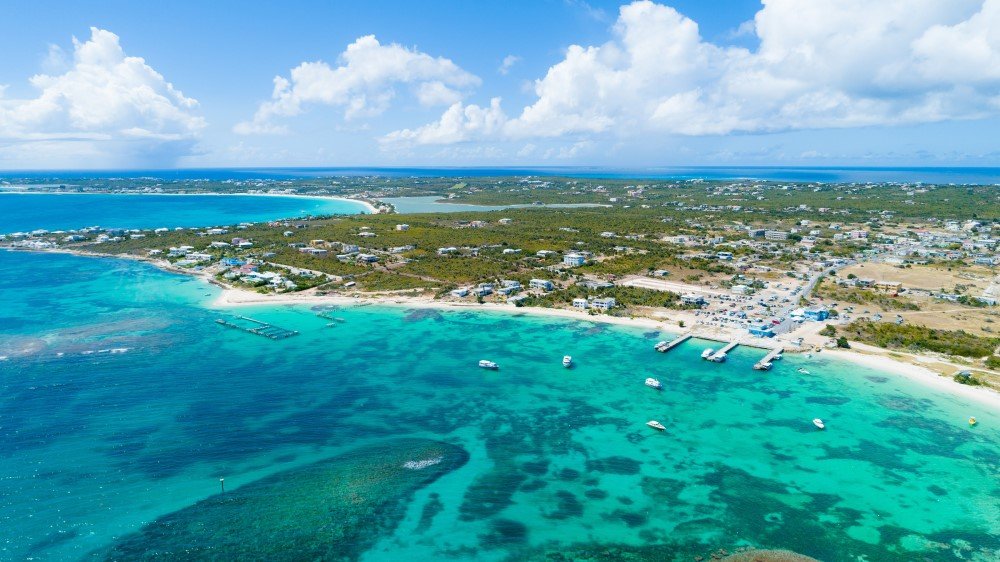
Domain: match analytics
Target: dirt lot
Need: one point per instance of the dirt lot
(929, 277)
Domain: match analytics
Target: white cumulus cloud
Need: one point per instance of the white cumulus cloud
(819, 64)
(106, 107)
(362, 84)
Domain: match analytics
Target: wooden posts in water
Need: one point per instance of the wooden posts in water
(258, 328)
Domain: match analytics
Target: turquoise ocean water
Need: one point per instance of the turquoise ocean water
(29, 211)
(122, 401)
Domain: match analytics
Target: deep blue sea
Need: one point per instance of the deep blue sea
(29, 211)
(941, 175)
(123, 402)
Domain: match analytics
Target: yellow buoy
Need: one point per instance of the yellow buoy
(972, 421)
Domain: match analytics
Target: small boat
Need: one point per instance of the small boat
(653, 383)
(567, 361)
(819, 423)
(972, 421)
(661, 346)
(802, 371)
(656, 425)
(707, 353)
(488, 365)
(719, 357)
(762, 366)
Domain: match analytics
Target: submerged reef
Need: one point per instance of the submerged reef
(333, 509)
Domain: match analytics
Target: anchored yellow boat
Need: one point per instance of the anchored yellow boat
(972, 421)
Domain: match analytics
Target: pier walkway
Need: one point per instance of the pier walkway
(765, 363)
(664, 347)
(257, 328)
(729, 346)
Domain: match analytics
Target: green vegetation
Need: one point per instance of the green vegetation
(966, 377)
(829, 330)
(920, 338)
(993, 362)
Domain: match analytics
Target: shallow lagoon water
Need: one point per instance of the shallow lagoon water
(435, 204)
(96, 444)
(59, 211)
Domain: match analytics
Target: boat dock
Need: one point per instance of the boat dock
(765, 363)
(729, 347)
(664, 347)
(720, 355)
(257, 328)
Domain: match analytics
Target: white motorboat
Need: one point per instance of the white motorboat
(802, 371)
(488, 365)
(653, 383)
(719, 357)
(656, 425)
(762, 366)
(819, 423)
(661, 346)
(567, 361)
(708, 353)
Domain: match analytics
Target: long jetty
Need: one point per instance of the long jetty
(772, 354)
(729, 347)
(664, 347)
(258, 328)
(765, 363)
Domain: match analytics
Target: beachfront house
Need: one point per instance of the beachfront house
(606, 303)
(581, 303)
(460, 292)
(574, 259)
(543, 284)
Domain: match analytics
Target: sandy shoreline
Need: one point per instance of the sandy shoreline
(371, 208)
(876, 358)
(234, 297)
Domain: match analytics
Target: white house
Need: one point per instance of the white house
(581, 303)
(606, 303)
(574, 259)
(543, 284)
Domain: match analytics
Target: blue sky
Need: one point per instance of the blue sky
(729, 82)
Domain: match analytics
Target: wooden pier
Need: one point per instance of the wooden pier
(729, 346)
(720, 355)
(765, 363)
(257, 328)
(664, 347)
